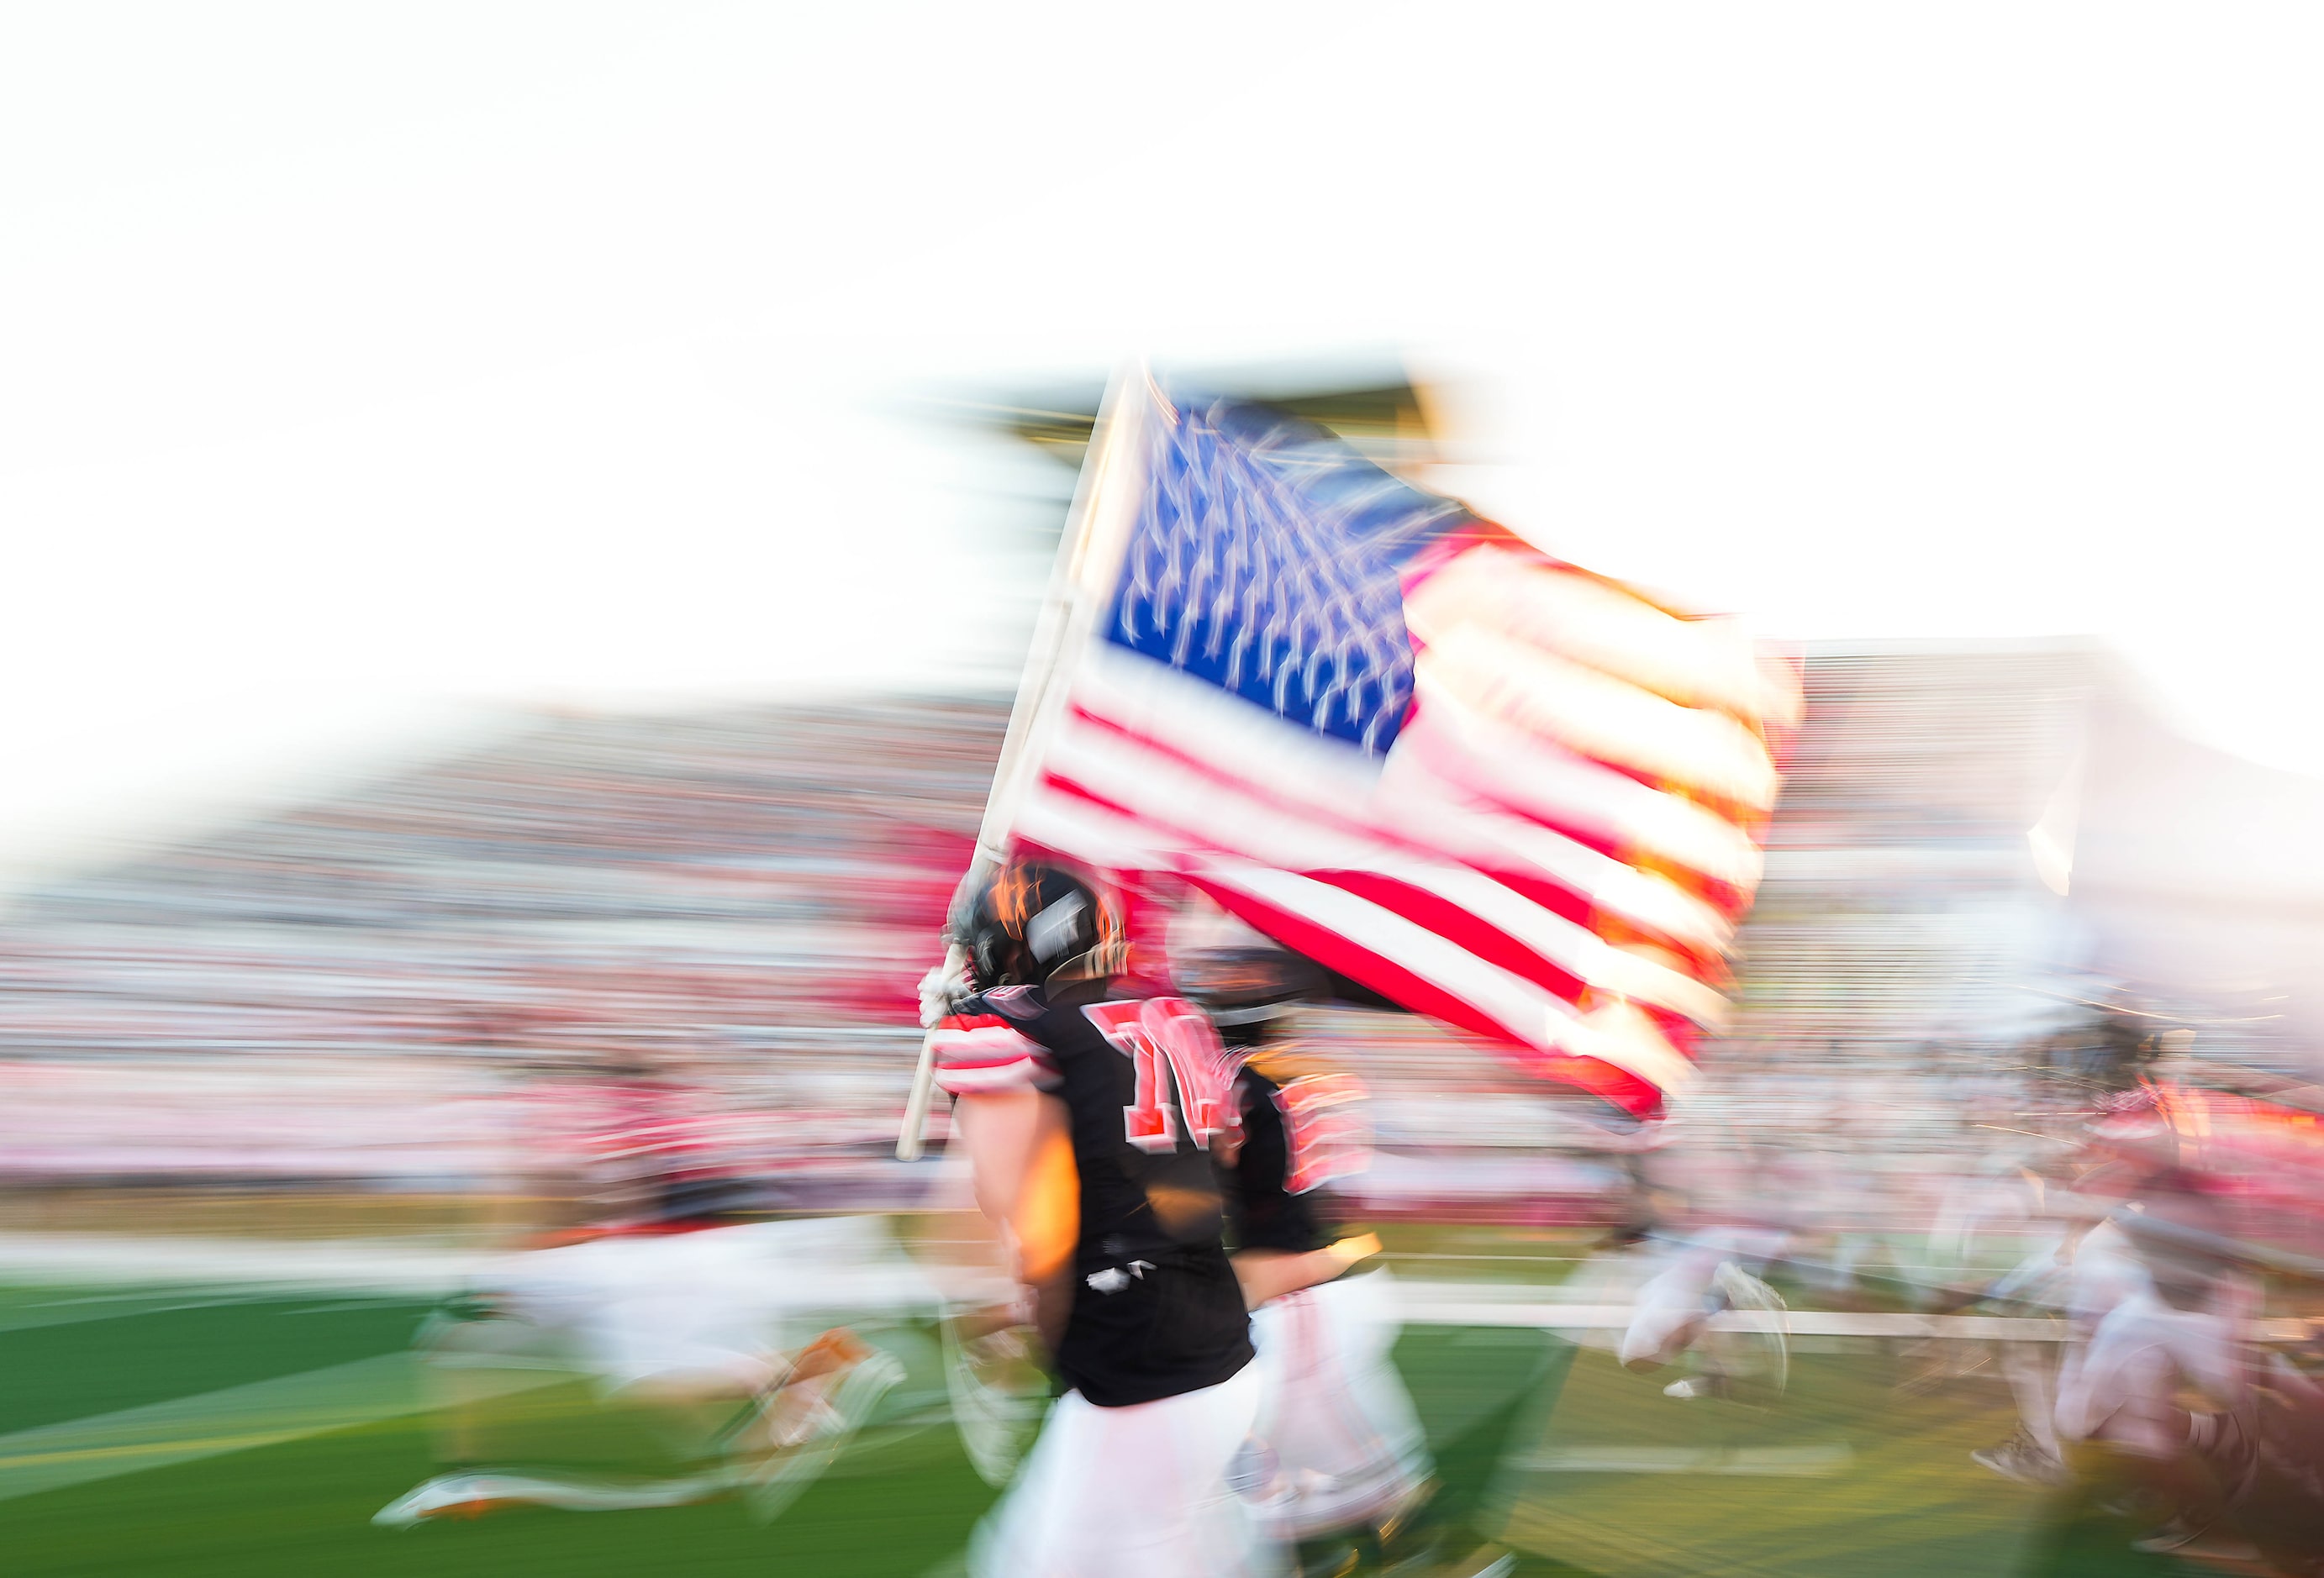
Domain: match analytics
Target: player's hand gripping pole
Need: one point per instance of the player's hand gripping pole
(911, 1140)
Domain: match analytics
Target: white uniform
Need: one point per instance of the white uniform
(716, 1305)
(1338, 1444)
(710, 1313)
(1672, 1304)
(2082, 1280)
(1139, 1492)
(2125, 1388)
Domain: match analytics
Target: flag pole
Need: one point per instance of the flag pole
(1089, 554)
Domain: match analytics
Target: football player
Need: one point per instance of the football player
(1339, 1447)
(1086, 1110)
(2087, 1267)
(2160, 1397)
(682, 1316)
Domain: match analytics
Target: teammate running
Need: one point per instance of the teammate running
(1339, 1447)
(1086, 1111)
(2085, 1267)
(707, 1327)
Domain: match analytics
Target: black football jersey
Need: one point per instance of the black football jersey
(1156, 1311)
(1303, 1126)
(1262, 1212)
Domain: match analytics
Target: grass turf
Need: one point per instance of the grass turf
(1510, 1414)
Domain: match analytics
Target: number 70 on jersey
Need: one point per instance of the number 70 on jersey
(1170, 1033)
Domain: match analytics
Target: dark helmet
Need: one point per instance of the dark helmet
(1245, 986)
(1030, 922)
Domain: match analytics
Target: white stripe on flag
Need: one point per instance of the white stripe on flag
(1088, 832)
(1457, 823)
(1533, 775)
(1531, 1015)
(1241, 743)
(1450, 740)
(1200, 719)
(1168, 798)
(1601, 716)
(1696, 663)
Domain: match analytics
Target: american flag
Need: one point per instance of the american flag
(1495, 789)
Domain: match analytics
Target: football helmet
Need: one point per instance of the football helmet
(1031, 922)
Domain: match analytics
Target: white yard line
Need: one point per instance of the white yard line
(1813, 1462)
(21, 1318)
(360, 1266)
(124, 1260)
(1502, 1304)
(103, 1260)
(264, 1413)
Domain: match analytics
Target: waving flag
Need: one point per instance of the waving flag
(1495, 789)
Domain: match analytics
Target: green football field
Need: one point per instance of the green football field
(195, 1434)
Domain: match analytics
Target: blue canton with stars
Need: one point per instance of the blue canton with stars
(1265, 560)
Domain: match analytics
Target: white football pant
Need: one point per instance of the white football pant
(1132, 1492)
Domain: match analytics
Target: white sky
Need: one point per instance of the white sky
(358, 359)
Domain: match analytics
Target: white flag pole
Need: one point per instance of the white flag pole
(1089, 557)
(911, 1140)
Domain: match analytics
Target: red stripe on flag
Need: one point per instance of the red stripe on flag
(1455, 924)
(1335, 952)
(1058, 783)
(1446, 761)
(1551, 895)
(1430, 910)
(1104, 738)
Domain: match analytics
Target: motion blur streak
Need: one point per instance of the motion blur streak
(1986, 1242)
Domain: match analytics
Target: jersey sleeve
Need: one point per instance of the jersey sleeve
(1326, 1134)
(979, 1052)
